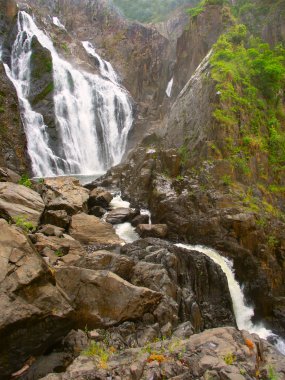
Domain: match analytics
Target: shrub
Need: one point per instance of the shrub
(25, 181)
(24, 224)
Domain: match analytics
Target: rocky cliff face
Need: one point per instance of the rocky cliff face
(12, 136)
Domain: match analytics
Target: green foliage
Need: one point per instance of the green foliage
(230, 358)
(250, 79)
(99, 352)
(184, 152)
(25, 181)
(272, 374)
(24, 224)
(150, 11)
(58, 253)
(195, 11)
(45, 92)
(227, 180)
(272, 241)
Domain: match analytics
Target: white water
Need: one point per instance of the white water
(243, 313)
(105, 67)
(56, 22)
(124, 230)
(93, 115)
(169, 88)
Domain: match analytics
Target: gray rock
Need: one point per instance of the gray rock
(121, 215)
(97, 211)
(50, 230)
(105, 260)
(59, 218)
(140, 219)
(99, 197)
(102, 298)
(152, 230)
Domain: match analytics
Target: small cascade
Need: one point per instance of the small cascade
(243, 313)
(57, 23)
(169, 88)
(146, 212)
(124, 230)
(105, 67)
(93, 115)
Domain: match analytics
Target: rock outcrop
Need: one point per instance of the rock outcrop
(89, 229)
(101, 298)
(222, 353)
(31, 305)
(17, 201)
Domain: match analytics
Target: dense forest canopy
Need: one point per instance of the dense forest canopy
(150, 10)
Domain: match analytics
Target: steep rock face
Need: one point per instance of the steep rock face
(189, 122)
(194, 288)
(13, 152)
(41, 84)
(31, 305)
(196, 41)
(200, 208)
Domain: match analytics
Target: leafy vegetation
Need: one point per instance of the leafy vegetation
(25, 181)
(150, 11)
(250, 79)
(194, 12)
(24, 224)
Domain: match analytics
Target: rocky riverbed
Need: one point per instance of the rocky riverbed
(79, 303)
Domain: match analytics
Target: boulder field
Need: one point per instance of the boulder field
(78, 303)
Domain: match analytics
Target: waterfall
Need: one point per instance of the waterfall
(93, 114)
(57, 23)
(243, 313)
(169, 88)
(105, 67)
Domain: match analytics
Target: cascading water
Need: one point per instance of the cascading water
(93, 114)
(105, 67)
(169, 88)
(243, 313)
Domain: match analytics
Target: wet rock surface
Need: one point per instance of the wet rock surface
(199, 208)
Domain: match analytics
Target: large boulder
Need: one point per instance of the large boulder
(7, 175)
(105, 260)
(65, 193)
(101, 298)
(91, 230)
(194, 288)
(121, 215)
(152, 230)
(99, 197)
(17, 201)
(31, 305)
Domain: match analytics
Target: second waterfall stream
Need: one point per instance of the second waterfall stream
(93, 113)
